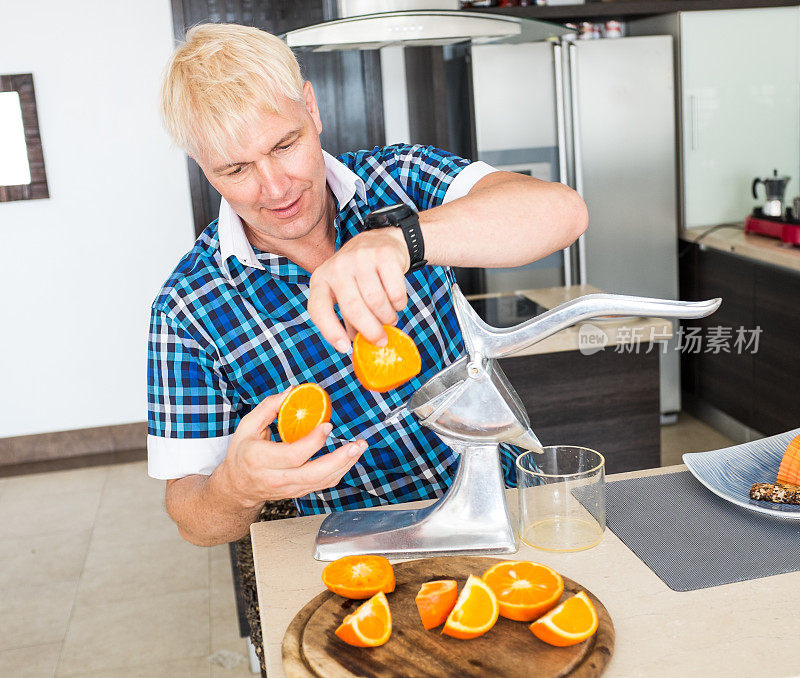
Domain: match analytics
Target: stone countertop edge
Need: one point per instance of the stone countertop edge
(749, 245)
(729, 630)
(623, 332)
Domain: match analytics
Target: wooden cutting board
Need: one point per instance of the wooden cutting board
(310, 648)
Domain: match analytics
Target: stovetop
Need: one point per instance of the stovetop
(788, 218)
(506, 311)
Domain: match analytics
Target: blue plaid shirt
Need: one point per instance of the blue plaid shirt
(230, 327)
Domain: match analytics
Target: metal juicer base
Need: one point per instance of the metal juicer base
(470, 519)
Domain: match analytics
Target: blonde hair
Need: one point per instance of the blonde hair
(219, 79)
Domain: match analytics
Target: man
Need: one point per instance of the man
(273, 292)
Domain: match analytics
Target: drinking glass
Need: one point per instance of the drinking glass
(562, 498)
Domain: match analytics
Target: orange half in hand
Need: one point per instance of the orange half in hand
(370, 625)
(306, 407)
(384, 368)
(476, 611)
(359, 577)
(435, 600)
(524, 590)
(570, 623)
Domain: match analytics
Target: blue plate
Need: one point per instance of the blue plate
(730, 472)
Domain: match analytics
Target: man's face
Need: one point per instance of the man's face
(275, 180)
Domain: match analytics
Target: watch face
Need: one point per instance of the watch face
(387, 216)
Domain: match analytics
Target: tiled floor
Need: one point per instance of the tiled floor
(95, 580)
(689, 435)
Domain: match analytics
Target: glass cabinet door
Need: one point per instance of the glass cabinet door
(740, 108)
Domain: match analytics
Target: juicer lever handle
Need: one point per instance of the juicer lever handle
(485, 341)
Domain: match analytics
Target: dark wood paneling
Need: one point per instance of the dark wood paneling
(759, 388)
(427, 95)
(349, 94)
(689, 290)
(37, 189)
(347, 84)
(608, 401)
(440, 110)
(722, 375)
(777, 362)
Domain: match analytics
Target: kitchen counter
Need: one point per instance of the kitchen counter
(619, 332)
(741, 629)
(750, 245)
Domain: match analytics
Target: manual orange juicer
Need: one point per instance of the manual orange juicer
(472, 407)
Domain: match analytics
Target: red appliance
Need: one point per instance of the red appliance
(786, 228)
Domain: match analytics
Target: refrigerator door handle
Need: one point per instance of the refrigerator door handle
(693, 113)
(576, 150)
(561, 135)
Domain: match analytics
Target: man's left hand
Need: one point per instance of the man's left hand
(366, 278)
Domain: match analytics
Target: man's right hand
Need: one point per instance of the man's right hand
(257, 468)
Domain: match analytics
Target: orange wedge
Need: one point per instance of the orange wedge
(524, 590)
(306, 407)
(435, 600)
(789, 470)
(359, 577)
(370, 625)
(476, 611)
(382, 369)
(570, 623)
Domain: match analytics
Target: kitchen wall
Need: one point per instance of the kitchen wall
(79, 271)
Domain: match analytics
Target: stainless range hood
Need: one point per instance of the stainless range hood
(416, 28)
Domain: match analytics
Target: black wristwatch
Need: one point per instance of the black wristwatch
(407, 220)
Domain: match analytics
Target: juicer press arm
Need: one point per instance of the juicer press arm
(483, 341)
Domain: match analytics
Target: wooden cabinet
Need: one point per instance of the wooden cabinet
(607, 401)
(732, 279)
(776, 400)
(757, 385)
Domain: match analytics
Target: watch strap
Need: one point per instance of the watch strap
(414, 241)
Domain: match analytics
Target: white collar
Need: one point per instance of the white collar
(232, 239)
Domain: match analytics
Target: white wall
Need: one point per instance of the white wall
(78, 271)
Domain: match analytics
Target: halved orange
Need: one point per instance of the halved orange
(435, 600)
(524, 590)
(570, 623)
(306, 407)
(359, 577)
(476, 611)
(789, 470)
(382, 369)
(370, 625)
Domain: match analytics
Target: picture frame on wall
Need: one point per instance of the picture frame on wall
(22, 172)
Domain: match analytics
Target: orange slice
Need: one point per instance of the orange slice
(570, 623)
(306, 407)
(382, 369)
(524, 590)
(370, 625)
(789, 471)
(476, 611)
(359, 577)
(435, 600)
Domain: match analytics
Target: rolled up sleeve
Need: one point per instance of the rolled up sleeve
(192, 412)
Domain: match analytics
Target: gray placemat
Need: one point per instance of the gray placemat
(692, 539)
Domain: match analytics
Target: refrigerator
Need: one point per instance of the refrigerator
(598, 115)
